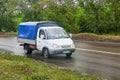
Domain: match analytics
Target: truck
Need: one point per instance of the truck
(46, 36)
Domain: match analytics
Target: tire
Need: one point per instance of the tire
(68, 55)
(27, 50)
(45, 53)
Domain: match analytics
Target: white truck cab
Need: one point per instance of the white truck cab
(47, 37)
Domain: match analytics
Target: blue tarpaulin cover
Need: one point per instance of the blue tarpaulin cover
(28, 30)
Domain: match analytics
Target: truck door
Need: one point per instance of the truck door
(41, 39)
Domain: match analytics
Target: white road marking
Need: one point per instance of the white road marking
(89, 50)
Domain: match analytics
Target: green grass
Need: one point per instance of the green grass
(95, 37)
(7, 34)
(20, 68)
(11, 33)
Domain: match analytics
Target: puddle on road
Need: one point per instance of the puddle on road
(59, 59)
(81, 61)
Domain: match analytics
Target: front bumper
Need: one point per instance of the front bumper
(61, 51)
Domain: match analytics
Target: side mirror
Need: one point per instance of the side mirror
(70, 35)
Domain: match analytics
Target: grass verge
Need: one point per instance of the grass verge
(95, 37)
(80, 36)
(7, 34)
(20, 68)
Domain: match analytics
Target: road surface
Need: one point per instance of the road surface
(94, 58)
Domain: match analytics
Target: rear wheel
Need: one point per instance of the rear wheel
(68, 55)
(46, 53)
(27, 50)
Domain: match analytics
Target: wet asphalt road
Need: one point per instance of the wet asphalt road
(94, 58)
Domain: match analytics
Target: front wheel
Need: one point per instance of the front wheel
(68, 55)
(46, 53)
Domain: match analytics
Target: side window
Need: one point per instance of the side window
(42, 34)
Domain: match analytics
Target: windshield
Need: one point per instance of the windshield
(56, 33)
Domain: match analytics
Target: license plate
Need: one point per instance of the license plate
(66, 51)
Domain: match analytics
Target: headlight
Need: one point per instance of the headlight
(55, 46)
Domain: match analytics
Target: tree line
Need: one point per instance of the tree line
(94, 16)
